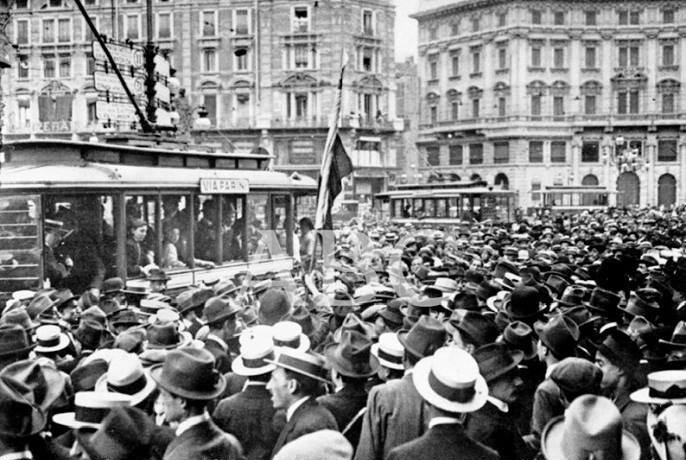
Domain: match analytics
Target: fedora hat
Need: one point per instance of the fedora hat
(300, 362)
(391, 312)
(290, 334)
(110, 306)
(90, 334)
(389, 351)
(465, 301)
(556, 282)
(125, 317)
(678, 339)
(50, 339)
(39, 305)
(130, 340)
(505, 266)
(192, 299)
(125, 433)
(307, 321)
(20, 317)
(487, 289)
(274, 305)
(254, 352)
(352, 322)
(20, 417)
(424, 338)
(113, 285)
(86, 374)
(620, 349)
(91, 408)
(475, 328)
(520, 336)
(125, 375)
(41, 376)
(225, 288)
(641, 305)
(157, 274)
(663, 387)
(560, 335)
(352, 355)
(571, 297)
(190, 373)
(591, 427)
(166, 336)
(219, 309)
(14, 342)
(94, 313)
(496, 360)
(524, 304)
(450, 381)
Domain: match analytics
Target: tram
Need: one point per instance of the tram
(574, 199)
(74, 213)
(448, 203)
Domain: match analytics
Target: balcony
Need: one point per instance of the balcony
(302, 122)
(376, 124)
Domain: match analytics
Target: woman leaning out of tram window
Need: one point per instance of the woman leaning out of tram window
(170, 255)
(138, 259)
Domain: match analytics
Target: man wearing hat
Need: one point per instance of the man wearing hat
(395, 411)
(14, 344)
(352, 364)
(249, 414)
(450, 385)
(220, 317)
(494, 424)
(188, 381)
(618, 357)
(294, 384)
(190, 304)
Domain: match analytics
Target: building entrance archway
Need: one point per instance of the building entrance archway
(666, 190)
(628, 189)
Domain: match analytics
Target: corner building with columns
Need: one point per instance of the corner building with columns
(529, 94)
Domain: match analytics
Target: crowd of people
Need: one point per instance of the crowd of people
(556, 338)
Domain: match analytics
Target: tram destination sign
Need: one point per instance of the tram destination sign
(225, 186)
(123, 54)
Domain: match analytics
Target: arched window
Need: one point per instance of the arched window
(501, 180)
(589, 179)
(666, 190)
(474, 177)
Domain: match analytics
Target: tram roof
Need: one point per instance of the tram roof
(445, 193)
(88, 175)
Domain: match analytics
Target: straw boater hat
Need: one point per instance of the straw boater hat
(301, 362)
(125, 375)
(663, 387)
(667, 431)
(389, 351)
(289, 334)
(90, 409)
(254, 352)
(50, 338)
(591, 427)
(450, 380)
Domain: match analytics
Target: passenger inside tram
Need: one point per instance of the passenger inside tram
(139, 259)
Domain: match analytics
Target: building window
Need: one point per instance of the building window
(502, 19)
(454, 28)
(433, 67)
(48, 67)
(433, 157)
(627, 102)
(454, 110)
(24, 114)
(90, 64)
(668, 105)
(21, 4)
(368, 22)
(454, 64)
(535, 191)
(164, 25)
(590, 152)
(241, 61)
(558, 106)
(590, 57)
(666, 150)
(241, 26)
(88, 36)
(210, 103)
(476, 23)
(208, 60)
(536, 56)
(301, 55)
(590, 104)
(455, 155)
(476, 61)
(501, 152)
(502, 58)
(433, 114)
(559, 58)
(591, 17)
(476, 154)
(536, 16)
(559, 18)
(65, 66)
(22, 34)
(23, 67)
(476, 104)
(558, 152)
(301, 19)
(55, 3)
(502, 106)
(535, 152)
(64, 30)
(536, 105)
(92, 112)
(668, 55)
(48, 33)
(629, 56)
(668, 16)
(433, 33)
(626, 17)
(208, 26)
(132, 27)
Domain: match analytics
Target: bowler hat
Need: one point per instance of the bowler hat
(13, 342)
(591, 428)
(125, 433)
(475, 328)
(520, 336)
(465, 301)
(219, 309)
(352, 356)
(62, 297)
(496, 360)
(20, 417)
(190, 373)
(524, 304)
(301, 362)
(426, 336)
(561, 336)
(273, 306)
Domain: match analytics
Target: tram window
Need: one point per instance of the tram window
(258, 212)
(87, 247)
(276, 237)
(441, 208)
(430, 206)
(233, 225)
(176, 232)
(20, 243)
(206, 229)
(141, 235)
(453, 207)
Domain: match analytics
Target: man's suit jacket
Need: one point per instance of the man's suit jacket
(444, 442)
(249, 415)
(204, 441)
(498, 430)
(547, 405)
(307, 418)
(222, 360)
(345, 405)
(634, 417)
(395, 415)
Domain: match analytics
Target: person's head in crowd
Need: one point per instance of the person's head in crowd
(351, 360)
(425, 337)
(390, 353)
(137, 229)
(220, 316)
(471, 331)
(618, 356)
(298, 374)
(14, 344)
(576, 377)
(498, 364)
(558, 339)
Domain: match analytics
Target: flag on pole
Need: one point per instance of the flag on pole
(336, 164)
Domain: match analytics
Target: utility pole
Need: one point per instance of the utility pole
(150, 53)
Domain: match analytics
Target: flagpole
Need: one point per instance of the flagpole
(323, 195)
